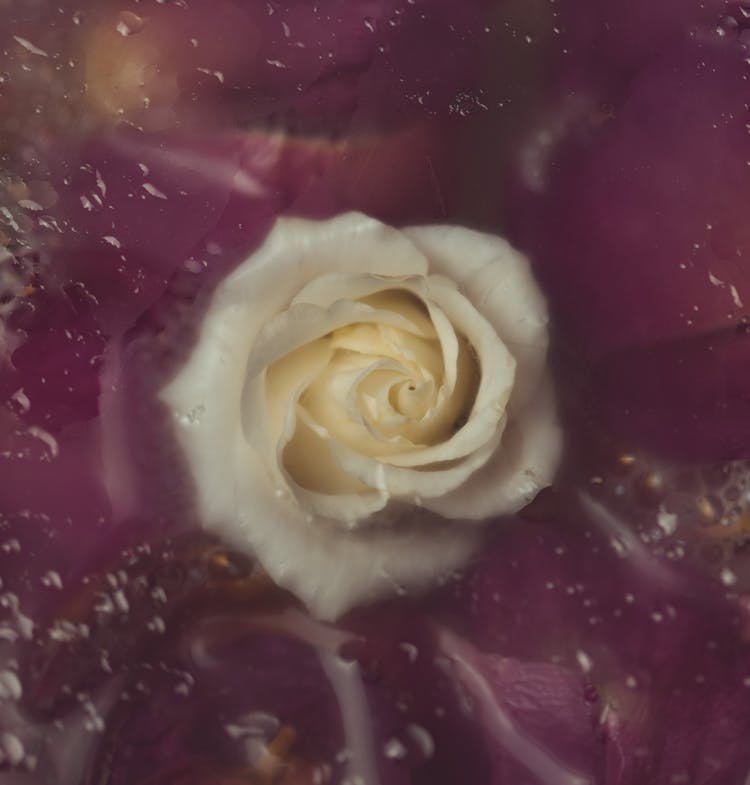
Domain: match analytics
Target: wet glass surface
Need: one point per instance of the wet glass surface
(602, 634)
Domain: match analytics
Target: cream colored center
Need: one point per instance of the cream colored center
(382, 388)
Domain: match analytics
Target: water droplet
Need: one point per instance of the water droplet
(52, 580)
(121, 602)
(129, 23)
(47, 439)
(193, 266)
(12, 748)
(256, 723)
(649, 488)
(20, 397)
(29, 47)
(10, 686)
(218, 75)
(393, 749)
(154, 191)
(667, 521)
(423, 740)
(193, 417)
(157, 625)
(584, 661)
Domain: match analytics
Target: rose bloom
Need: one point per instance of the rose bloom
(349, 382)
(599, 635)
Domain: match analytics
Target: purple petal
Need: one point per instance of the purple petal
(538, 723)
(688, 399)
(652, 637)
(611, 40)
(639, 235)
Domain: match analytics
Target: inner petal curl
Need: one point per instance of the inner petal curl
(387, 389)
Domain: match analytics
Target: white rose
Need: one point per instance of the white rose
(358, 395)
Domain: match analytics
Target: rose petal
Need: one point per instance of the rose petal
(524, 463)
(428, 480)
(688, 399)
(639, 236)
(498, 281)
(535, 718)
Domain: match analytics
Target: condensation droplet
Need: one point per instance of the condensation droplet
(151, 189)
(129, 23)
(422, 739)
(10, 686)
(20, 397)
(12, 748)
(52, 580)
(667, 521)
(393, 749)
(584, 661)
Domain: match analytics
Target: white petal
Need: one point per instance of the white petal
(322, 487)
(268, 399)
(303, 323)
(499, 282)
(424, 482)
(331, 569)
(525, 462)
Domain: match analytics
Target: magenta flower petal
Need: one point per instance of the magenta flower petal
(688, 399)
(151, 147)
(613, 40)
(217, 677)
(637, 231)
(306, 68)
(640, 234)
(651, 637)
(539, 720)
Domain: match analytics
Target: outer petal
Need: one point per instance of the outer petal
(640, 236)
(689, 399)
(330, 569)
(665, 649)
(524, 462)
(498, 281)
(536, 720)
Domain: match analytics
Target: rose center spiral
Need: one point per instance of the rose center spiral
(394, 384)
